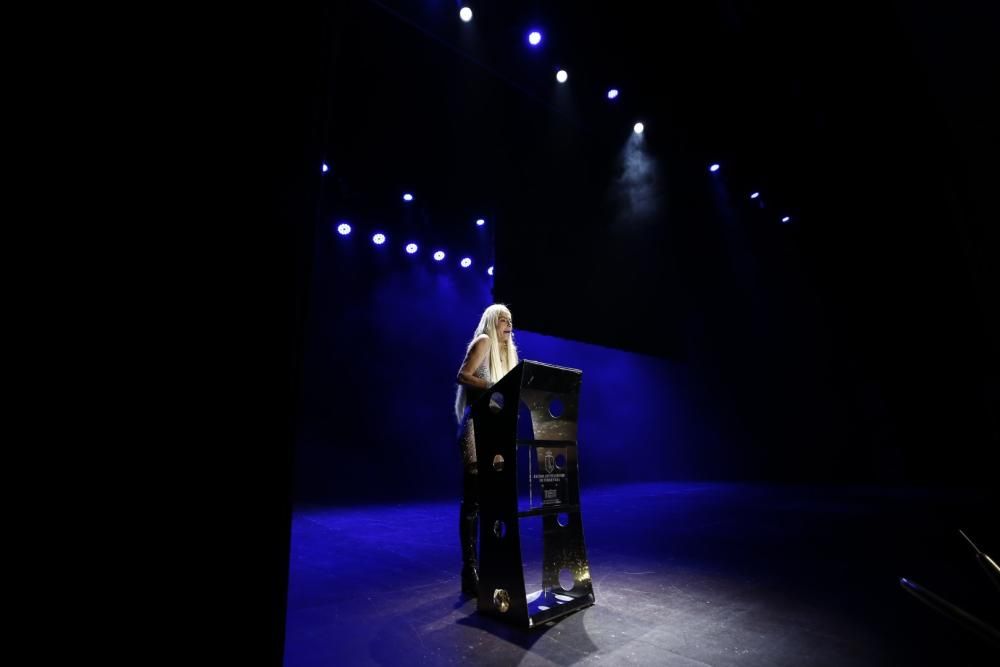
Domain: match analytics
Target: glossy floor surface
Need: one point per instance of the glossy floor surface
(683, 574)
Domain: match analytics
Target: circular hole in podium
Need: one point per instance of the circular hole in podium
(562, 519)
(501, 600)
(499, 529)
(556, 408)
(498, 463)
(566, 581)
(561, 461)
(496, 402)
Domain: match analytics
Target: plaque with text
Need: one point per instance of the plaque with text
(550, 476)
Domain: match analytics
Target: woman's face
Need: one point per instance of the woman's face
(504, 327)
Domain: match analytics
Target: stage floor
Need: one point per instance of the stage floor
(683, 574)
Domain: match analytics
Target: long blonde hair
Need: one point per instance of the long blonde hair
(497, 366)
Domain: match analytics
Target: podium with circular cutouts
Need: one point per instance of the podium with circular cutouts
(533, 564)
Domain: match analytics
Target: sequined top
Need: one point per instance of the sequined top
(467, 437)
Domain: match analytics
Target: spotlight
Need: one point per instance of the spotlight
(411, 248)
(714, 168)
(786, 219)
(465, 14)
(407, 197)
(326, 167)
(343, 229)
(613, 93)
(535, 38)
(639, 127)
(480, 222)
(378, 239)
(439, 255)
(490, 270)
(561, 76)
(466, 262)
(754, 195)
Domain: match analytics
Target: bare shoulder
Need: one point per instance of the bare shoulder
(476, 354)
(479, 346)
(477, 351)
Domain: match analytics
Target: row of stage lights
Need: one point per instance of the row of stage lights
(534, 39)
(380, 239)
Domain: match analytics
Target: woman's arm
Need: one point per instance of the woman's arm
(473, 360)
